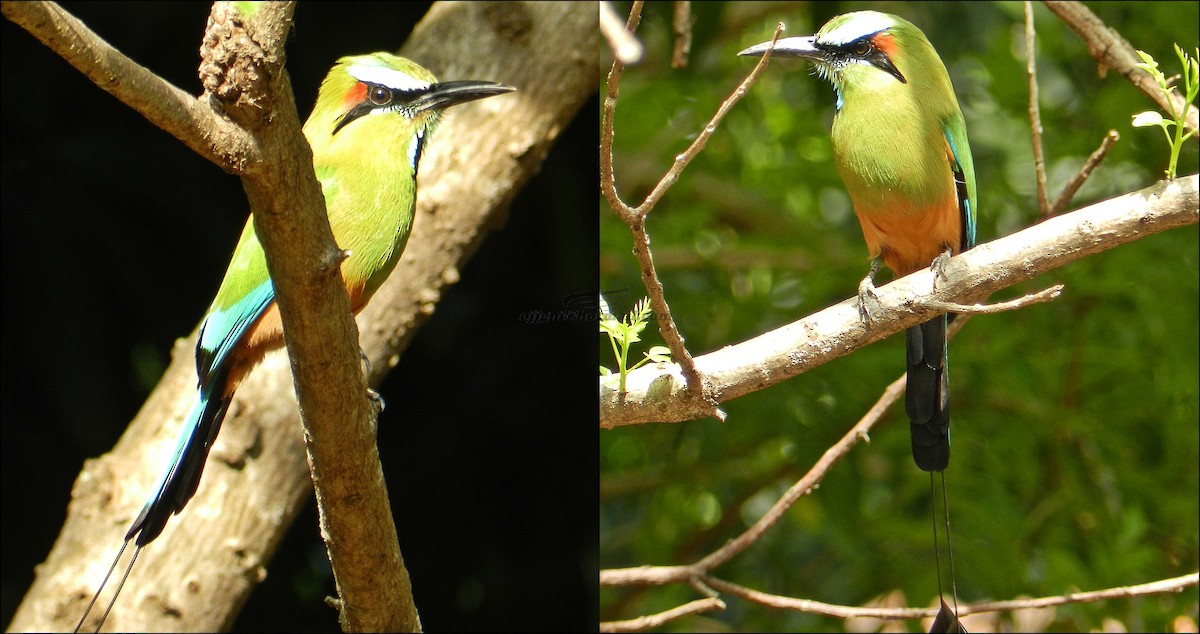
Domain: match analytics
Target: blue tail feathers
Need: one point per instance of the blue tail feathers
(181, 480)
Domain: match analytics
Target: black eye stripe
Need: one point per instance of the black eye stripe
(379, 97)
(860, 48)
(863, 49)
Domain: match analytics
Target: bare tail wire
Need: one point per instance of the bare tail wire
(137, 551)
(947, 620)
(937, 552)
(949, 548)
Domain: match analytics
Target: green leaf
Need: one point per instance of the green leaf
(659, 354)
(1147, 119)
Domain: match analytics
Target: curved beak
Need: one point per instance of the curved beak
(449, 93)
(802, 47)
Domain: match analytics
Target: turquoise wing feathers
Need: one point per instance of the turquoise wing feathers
(964, 177)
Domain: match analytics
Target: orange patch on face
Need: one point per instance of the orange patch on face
(354, 96)
(885, 42)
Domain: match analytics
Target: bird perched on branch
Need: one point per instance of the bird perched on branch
(900, 146)
(373, 116)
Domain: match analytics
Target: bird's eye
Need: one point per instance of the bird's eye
(379, 95)
(861, 48)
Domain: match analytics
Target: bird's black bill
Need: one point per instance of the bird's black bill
(802, 47)
(449, 93)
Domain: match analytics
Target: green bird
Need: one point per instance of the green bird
(373, 116)
(900, 146)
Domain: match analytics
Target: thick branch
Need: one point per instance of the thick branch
(243, 68)
(655, 392)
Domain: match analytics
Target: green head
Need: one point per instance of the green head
(370, 99)
(899, 139)
(373, 117)
(866, 51)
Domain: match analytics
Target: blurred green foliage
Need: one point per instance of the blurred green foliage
(1075, 445)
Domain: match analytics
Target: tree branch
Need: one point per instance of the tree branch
(242, 67)
(1162, 586)
(654, 392)
(184, 117)
(1115, 52)
(651, 621)
(694, 381)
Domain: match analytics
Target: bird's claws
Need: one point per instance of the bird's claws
(938, 266)
(868, 301)
(376, 401)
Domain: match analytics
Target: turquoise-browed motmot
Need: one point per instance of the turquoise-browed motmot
(900, 146)
(373, 115)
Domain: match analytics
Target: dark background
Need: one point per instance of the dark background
(115, 238)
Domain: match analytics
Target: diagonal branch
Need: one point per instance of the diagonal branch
(695, 383)
(655, 391)
(243, 68)
(1115, 52)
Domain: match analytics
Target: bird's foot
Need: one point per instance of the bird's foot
(868, 301)
(938, 266)
(366, 362)
(376, 401)
(373, 396)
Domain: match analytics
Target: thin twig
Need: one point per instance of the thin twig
(641, 239)
(662, 618)
(810, 480)
(1049, 294)
(1047, 209)
(818, 607)
(647, 575)
(1176, 584)
(1068, 191)
(666, 324)
(1035, 115)
(682, 160)
(1162, 586)
(636, 218)
(803, 486)
(608, 183)
(682, 25)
